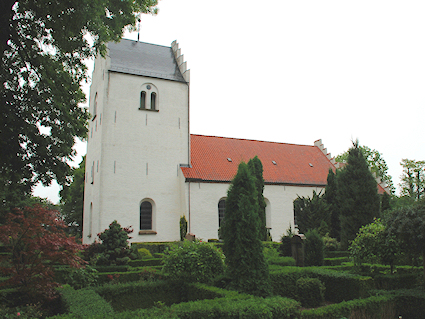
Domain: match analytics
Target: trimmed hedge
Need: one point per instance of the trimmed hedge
(145, 274)
(84, 303)
(283, 283)
(281, 261)
(337, 253)
(159, 247)
(112, 268)
(145, 262)
(372, 307)
(396, 281)
(335, 261)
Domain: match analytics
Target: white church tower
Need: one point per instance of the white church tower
(138, 140)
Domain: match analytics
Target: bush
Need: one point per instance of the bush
(310, 292)
(114, 247)
(85, 303)
(331, 244)
(81, 277)
(144, 253)
(193, 262)
(313, 249)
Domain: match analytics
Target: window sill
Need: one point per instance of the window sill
(147, 232)
(150, 110)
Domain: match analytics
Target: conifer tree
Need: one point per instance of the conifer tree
(331, 198)
(246, 266)
(256, 169)
(358, 195)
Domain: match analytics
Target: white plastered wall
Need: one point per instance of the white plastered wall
(139, 153)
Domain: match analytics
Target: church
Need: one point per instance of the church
(144, 168)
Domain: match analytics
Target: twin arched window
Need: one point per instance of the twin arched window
(149, 97)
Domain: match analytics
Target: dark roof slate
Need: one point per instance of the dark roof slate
(139, 58)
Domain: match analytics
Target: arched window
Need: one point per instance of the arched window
(153, 101)
(149, 97)
(142, 100)
(221, 211)
(146, 215)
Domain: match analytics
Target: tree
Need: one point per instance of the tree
(72, 200)
(312, 213)
(331, 198)
(114, 249)
(376, 164)
(246, 266)
(36, 240)
(44, 46)
(358, 196)
(372, 244)
(413, 179)
(407, 225)
(256, 168)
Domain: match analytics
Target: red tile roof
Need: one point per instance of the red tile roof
(295, 164)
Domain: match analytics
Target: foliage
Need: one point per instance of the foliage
(144, 253)
(256, 169)
(407, 225)
(183, 227)
(330, 244)
(357, 195)
(193, 262)
(246, 265)
(373, 245)
(312, 213)
(331, 198)
(81, 277)
(85, 303)
(310, 292)
(36, 239)
(313, 248)
(413, 179)
(114, 248)
(29, 311)
(285, 248)
(72, 200)
(375, 162)
(44, 47)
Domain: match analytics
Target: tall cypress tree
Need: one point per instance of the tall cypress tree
(358, 195)
(246, 266)
(256, 169)
(331, 198)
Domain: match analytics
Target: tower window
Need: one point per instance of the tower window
(95, 107)
(143, 100)
(149, 98)
(145, 215)
(153, 101)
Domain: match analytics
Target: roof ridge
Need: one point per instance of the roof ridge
(158, 45)
(250, 140)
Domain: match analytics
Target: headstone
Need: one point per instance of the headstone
(297, 246)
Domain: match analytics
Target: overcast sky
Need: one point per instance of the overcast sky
(298, 71)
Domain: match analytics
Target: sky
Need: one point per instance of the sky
(299, 71)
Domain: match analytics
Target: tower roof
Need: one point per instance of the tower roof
(139, 58)
(216, 159)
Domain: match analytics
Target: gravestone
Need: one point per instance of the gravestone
(297, 246)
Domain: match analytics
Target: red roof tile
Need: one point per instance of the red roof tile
(295, 164)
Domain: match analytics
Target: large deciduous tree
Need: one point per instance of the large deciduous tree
(358, 195)
(44, 45)
(72, 200)
(247, 267)
(413, 179)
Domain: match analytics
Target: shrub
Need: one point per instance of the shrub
(310, 292)
(81, 277)
(285, 248)
(114, 247)
(85, 303)
(330, 244)
(193, 262)
(313, 249)
(144, 253)
(183, 227)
